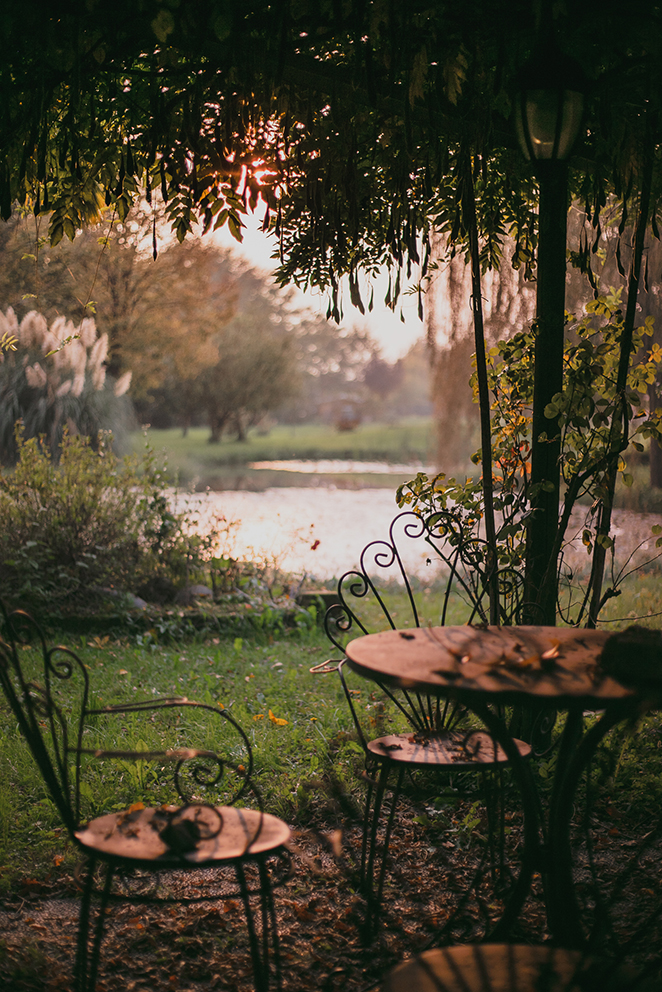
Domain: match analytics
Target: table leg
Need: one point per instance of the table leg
(563, 913)
(532, 825)
(549, 851)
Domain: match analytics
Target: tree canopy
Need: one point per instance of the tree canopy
(356, 121)
(158, 316)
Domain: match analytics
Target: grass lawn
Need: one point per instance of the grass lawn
(409, 440)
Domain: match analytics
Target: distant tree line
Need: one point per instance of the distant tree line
(206, 338)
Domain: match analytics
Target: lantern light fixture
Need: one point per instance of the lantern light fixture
(549, 104)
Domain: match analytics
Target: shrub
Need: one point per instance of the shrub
(89, 521)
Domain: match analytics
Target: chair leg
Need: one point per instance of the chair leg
(387, 839)
(502, 824)
(86, 967)
(489, 794)
(270, 925)
(366, 819)
(260, 963)
(80, 967)
(492, 786)
(368, 871)
(368, 850)
(101, 922)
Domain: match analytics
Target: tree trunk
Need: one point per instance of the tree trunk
(655, 456)
(491, 566)
(216, 425)
(541, 583)
(620, 420)
(654, 451)
(239, 427)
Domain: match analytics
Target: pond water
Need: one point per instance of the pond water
(320, 531)
(317, 531)
(339, 466)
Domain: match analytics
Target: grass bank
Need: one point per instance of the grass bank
(192, 459)
(410, 440)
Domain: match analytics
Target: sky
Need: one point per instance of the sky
(394, 336)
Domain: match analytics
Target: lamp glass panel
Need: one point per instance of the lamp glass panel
(541, 109)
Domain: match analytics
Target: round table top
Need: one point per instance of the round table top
(559, 664)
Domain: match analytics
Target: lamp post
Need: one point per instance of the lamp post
(548, 117)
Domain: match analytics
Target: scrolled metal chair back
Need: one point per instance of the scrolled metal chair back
(460, 593)
(463, 571)
(48, 692)
(360, 588)
(52, 734)
(461, 561)
(199, 774)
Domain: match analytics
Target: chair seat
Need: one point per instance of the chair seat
(453, 748)
(505, 968)
(137, 835)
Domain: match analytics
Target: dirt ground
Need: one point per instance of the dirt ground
(429, 901)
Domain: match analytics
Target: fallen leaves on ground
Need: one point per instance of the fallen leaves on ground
(321, 915)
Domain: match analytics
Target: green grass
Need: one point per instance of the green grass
(249, 679)
(410, 440)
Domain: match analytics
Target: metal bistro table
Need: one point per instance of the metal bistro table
(484, 667)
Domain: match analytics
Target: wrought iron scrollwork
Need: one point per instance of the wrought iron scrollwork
(193, 767)
(542, 725)
(204, 769)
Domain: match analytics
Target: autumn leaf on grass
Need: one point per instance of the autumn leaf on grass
(277, 720)
(58, 859)
(98, 642)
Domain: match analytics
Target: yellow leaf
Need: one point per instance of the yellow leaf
(123, 671)
(277, 720)
(135, 807)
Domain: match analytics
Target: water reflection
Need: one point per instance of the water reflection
(317, 531)
(321, 531)
(339, 466)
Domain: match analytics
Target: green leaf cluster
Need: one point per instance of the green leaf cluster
(353, 125)
(592, 416)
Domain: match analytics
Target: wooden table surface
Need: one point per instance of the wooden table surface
(559, 664)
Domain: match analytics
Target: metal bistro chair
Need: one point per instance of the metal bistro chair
(513, 968)
(140, 842)
(438, 742)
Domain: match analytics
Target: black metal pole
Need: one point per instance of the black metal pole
(541, 566)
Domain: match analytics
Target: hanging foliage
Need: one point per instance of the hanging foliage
(346, 121)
